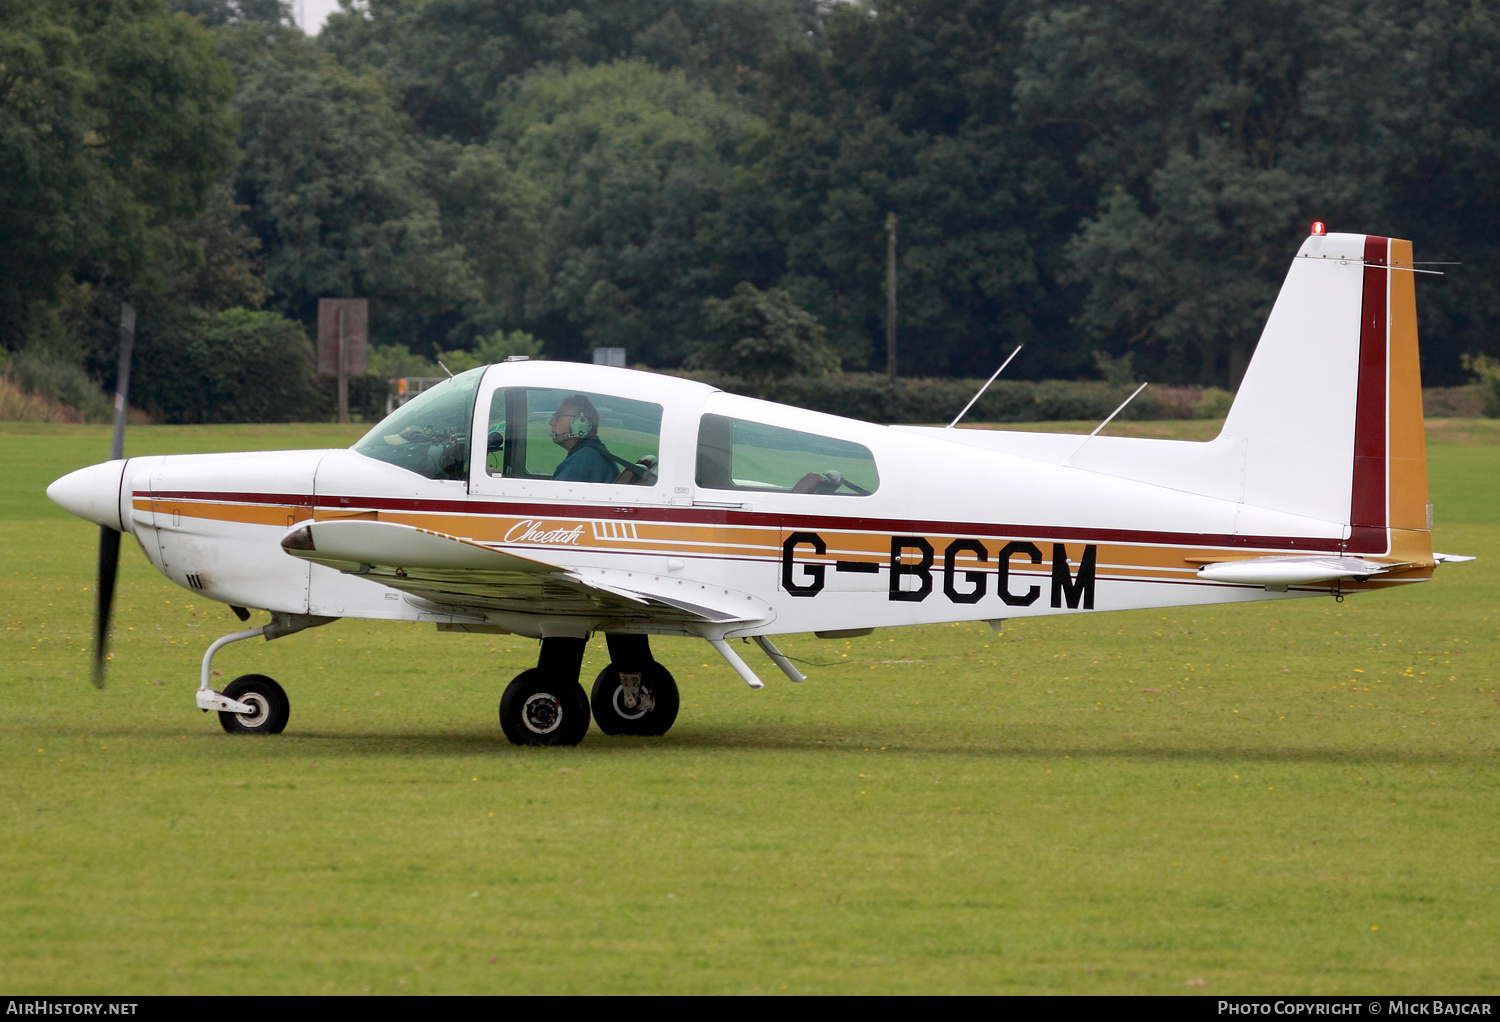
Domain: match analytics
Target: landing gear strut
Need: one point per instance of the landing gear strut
(252, 704)
(634, 695)
(546, 705)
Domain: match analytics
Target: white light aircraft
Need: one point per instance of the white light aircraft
(723, 517)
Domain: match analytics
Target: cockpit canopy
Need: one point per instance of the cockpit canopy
(429, 435)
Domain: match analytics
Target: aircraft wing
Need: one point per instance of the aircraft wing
(465, 575)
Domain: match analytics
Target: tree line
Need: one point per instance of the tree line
(706, 182)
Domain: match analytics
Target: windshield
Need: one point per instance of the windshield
(429, 435)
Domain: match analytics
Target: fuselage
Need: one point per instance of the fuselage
(884, 527)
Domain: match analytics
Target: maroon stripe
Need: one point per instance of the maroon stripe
(1367, 510)
(759, 519)
(227, 497)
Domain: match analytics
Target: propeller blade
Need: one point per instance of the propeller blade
(109, 539)
(109, 562)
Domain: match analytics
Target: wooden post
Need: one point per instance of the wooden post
(343, 330)
(890, 296)
(122, 380)
(343, 369)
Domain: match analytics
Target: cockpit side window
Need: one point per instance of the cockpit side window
(429, 435)
(576, 436)
(737, 454)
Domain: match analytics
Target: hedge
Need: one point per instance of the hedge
(871, 397)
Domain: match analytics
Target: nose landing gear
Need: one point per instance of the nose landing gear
(269, 707)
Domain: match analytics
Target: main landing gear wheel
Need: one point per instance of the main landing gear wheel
(646, 706)
(537, 709)
(270, 707)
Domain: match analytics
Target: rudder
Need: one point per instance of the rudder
(1330, 410)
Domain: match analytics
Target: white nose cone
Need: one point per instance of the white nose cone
(92, 493)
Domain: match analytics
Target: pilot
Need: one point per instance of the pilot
(575, 428)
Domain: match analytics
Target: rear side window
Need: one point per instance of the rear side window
(737, 454)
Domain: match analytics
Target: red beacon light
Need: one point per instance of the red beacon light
(1319, 227)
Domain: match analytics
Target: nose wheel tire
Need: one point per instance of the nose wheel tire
(650, 709)
(270, 708)
(536, 709)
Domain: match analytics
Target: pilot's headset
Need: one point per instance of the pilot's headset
(585, 419)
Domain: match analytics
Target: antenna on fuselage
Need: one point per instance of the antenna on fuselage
(986, 386)
(1106, 422)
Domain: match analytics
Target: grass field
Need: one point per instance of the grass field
(1291, 797)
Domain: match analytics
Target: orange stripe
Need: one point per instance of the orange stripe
(1408, 443)
(248, 514)
(666, 539)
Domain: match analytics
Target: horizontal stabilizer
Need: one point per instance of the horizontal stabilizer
(1296, 570)
(1452, 558)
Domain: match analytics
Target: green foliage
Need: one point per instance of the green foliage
(1214, 134)
(333, 182)
(495, 216)
(1124, 178)
(763, 335)
(1465, 402)
(208, 265)
(367, 399)
(238, 366)
(1214, 403)
(1201, 203)
(497, 347)
(869, 396)
(1114, 369)
(393, 361)
(456, 64)
(1486, 372)
(634, 160)
(59, 379)
(906, 108)
(1440, 150)
(213, 13)
(113, 123)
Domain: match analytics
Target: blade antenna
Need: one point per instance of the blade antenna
(109, 539)
(1106, 422)
(986, 386)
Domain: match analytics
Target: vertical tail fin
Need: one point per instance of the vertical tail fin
(1329, 415)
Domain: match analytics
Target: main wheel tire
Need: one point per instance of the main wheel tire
(538, 710)
(271, 709)
(615, 718)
